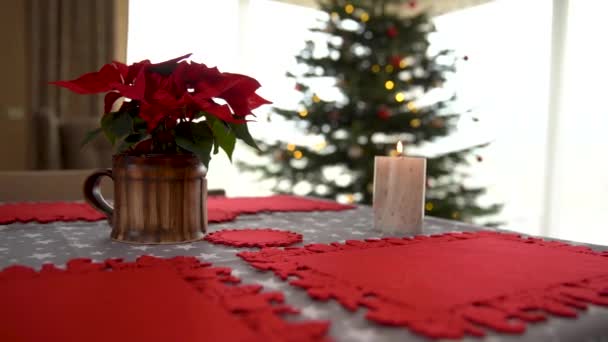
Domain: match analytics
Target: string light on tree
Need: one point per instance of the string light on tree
(389, 85)
(389, 68)
(364, 17)
(303, 112)
(415, 123)
(316, 99)
(297, 154)
(411, 106)
(349, 8)
(399, 97)
(291, 147)
(375, 68)
(429, 206)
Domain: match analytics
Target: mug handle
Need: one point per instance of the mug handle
(92, 194)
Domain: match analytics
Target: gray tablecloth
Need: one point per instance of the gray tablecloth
(34, 244)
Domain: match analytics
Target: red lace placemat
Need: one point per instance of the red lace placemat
(219, 209)
(152, 299)
(254, 237)
(447, 286)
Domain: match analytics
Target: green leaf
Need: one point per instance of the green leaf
(130, 140)
(90, 136)
(242, 132)
(116, 125)
(222, 136)
(195, 137)
(139, 125)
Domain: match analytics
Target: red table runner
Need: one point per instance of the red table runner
(254, 237)
(152, 299)
(220, 209)
(450, 285)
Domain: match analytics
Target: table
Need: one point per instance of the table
(33, 244)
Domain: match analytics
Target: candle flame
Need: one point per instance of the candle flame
(400, 148)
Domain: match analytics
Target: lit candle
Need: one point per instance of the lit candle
(399, 184)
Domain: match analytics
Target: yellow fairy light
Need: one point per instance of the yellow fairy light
(455, 215)
(411, 106)
(403, 64)
(297, 154)
(389, 85)
(316, 99)
(389, 68)
(375, 68)
(335, 15)
(349, 8)
(429, 206)
(303, 113)
(415, 123)
(399, 97)
(364, 17)
(291, 147)
(350, 198)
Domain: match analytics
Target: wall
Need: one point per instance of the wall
(13, 86)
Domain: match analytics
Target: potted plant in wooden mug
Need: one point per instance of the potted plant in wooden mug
(165, 121)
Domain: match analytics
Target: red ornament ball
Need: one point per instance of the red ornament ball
(392, 32)
(298, 87)
(383, 113)
(395, 60)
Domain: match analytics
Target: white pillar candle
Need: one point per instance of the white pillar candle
(399, 185)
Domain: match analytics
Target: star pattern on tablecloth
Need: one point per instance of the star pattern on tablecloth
(361, 335)
(271, 283)
(32, 236)
(185, 247)
(44, 242)
(207, 256)
(311, 311)
(42, 256)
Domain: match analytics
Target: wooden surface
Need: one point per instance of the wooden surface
(157, 198)
(399, 185)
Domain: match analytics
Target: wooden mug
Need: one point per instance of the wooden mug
(157, 198)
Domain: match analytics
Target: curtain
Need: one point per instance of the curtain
(68, 38)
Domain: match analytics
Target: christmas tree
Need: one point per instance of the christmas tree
(367, 81)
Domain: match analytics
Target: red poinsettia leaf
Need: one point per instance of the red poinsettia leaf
(123, 69)
(109, 100)
(167, 67)
(221, 112)
(241, 96)
(151, 114)
(135, 70)
(137, 90)
(93, 82)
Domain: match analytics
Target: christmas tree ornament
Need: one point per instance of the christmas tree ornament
(384, 113)
(437, 123)
(392, 31)
(355, 152)
(396, 61)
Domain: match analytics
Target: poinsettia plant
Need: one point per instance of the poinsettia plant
(171, 107)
